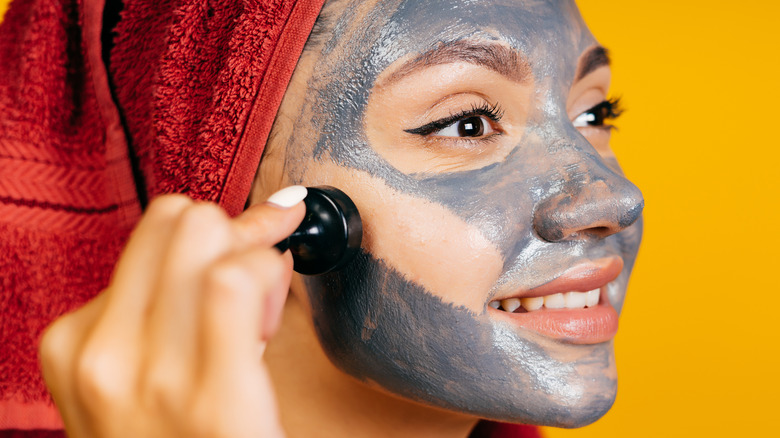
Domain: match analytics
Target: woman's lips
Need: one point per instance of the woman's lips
(572, 308)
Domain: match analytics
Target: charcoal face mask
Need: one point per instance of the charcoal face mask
(549, 203)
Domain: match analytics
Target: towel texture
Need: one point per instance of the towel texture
(67, 198)
(196, 86)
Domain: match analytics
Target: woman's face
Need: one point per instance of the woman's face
(471, 136)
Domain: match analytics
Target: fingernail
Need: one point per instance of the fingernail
(288, 196)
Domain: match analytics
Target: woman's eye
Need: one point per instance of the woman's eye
(476, 123)
(598, 115)
(473, 126)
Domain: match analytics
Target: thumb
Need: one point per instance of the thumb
(268, 223)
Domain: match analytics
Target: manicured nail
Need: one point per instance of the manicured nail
(288, 196)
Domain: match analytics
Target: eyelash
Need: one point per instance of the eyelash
(609, 109)
(492, 112)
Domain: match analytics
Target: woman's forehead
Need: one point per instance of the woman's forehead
(549, 33)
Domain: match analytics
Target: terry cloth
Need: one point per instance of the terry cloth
(197, 85)
(192, 95)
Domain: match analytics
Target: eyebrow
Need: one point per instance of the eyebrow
(499, 58)
(592, 60)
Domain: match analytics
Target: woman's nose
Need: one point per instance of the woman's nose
(600, 204)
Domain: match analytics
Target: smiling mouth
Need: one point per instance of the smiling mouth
(565, 300)
(573, 308)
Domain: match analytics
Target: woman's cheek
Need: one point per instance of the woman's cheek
(424, 241)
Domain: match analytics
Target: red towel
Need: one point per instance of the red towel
(197, 85)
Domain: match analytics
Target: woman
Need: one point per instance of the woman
(499, 238)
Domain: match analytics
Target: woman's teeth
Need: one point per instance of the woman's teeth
(568, 300)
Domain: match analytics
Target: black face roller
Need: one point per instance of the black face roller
(330, 234)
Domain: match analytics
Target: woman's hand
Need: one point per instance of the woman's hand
(173, 346)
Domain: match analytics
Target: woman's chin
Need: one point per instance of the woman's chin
(573, 386)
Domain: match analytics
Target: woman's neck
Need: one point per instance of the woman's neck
(316, 399)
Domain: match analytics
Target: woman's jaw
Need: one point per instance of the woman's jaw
(452, 224)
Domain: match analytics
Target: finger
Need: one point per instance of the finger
(202, 235)
(111, 352)
(238, 302)
(236, 306)
(271, 222)
(274, 301)
(60, 347)
(138, 269)
(62, 341)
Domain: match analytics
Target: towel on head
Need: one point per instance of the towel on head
(195, 89)
(197, 86)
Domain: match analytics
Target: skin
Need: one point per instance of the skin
(172, 347)
(402, 342)
(451, 225)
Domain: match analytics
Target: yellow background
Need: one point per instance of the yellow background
(697, 348)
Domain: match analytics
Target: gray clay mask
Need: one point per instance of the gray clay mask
(455, 225)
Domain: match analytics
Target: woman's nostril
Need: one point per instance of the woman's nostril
(595, 232)
(602, 231)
